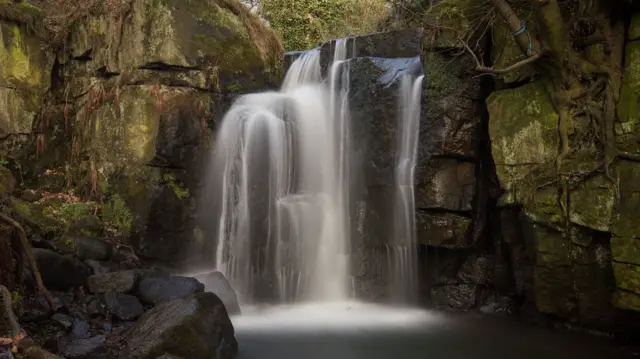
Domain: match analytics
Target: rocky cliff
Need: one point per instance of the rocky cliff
(498, 230)
(109, 112)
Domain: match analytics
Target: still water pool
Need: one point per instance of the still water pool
(363, 331)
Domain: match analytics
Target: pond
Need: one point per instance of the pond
(363, 331)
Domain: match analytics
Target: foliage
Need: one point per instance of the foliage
(304, 24)
(177, 188)
(117, 214)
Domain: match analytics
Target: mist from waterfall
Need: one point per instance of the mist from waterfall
(281, 175)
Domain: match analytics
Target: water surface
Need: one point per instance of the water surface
(362, 331)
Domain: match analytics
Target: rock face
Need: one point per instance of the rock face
(128, 116)
(196, 327)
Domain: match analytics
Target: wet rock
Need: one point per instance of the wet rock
(98, 267)
(455, 296)
(448, 184)
(83, 348)
(477, 269)
(118, 282)
(123, 306)
(498, 305)
(446, 230)
(156, 290)
(215, 282)
(194, 327)
(60, 272)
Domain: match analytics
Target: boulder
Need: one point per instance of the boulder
(156, 290)
(455, 296)
(196, 327)
(123, 306)
(83, 348)
(117, 282)
(60, 272)
(216, 283)
(87, 248)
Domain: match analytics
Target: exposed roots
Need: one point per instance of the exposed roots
(28, 253)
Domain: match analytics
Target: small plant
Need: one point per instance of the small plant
(117, 214)
(177, 188)
(3, 162)
(16, 298)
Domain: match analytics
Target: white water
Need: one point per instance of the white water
(282, 177)
(282, 161)
(403, 250)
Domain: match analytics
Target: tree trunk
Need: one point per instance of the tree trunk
(11, 263)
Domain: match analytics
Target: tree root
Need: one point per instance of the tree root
(28, 252)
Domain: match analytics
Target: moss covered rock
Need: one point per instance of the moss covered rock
(523, 128)
(634, 27)
(446, 230)
(25, 75)
(205, 44)
(592, 204)
(629, 104)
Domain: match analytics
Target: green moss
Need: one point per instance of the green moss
(523, 128)
(629, 103)
(234, 87)
(198, 235)
(592, 204)
(626, 300)
(634, 27)
(627, 276)
(34, 214)
(177, 188)
(625, 219)
(16, 298)
(543, 208)
(117, 213)
(625, 250)
(440, 81)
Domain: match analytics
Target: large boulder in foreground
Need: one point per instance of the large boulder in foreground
(194, 327)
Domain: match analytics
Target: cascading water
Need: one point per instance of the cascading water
(281, 159)
(281, 179)
(403, 244)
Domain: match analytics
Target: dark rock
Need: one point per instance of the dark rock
(449, 184)
(118, 282)
(455, 296)
(99, 267)
(64, 320)
(498, 305)
(60, 272)
(30, 195)
(80, 329)
(156, 290)
(216, 283)
(404, 43)
(88, 247)
(123, 306)
(446, 230)
(83, 348)
(32, 350)
(194, 327)
(477, 270)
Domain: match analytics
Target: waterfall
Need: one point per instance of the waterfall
(403, 249)
(280, 182)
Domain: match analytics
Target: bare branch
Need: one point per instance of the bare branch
(492, 70)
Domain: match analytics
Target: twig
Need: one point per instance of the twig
(491, 70)
(26, 247)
